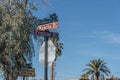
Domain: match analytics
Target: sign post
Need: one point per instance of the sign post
(46, 58)
(27, 72)
(42, 30)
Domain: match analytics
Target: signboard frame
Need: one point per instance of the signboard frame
(47, 26)
(47, 34)
(27, 72)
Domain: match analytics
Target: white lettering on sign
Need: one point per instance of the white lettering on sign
(48, 26)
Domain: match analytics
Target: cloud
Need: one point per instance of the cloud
(102, 55)
(108, 37)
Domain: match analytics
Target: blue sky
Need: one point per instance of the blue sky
(89, 29)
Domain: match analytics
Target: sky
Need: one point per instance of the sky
(89, 29)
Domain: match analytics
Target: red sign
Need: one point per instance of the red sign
(48, 26)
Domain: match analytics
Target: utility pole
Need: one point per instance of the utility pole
(23, 77)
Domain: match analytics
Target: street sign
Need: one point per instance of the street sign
(48, 26)
(47, 34)
(51, 53)
(27, 72)
(43, 33)
(55, 35)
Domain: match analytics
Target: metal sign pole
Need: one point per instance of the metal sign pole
(46, 59)
(23, 77)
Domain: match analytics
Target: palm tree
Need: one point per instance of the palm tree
(84, 76)
(97, 68)
(59, 47)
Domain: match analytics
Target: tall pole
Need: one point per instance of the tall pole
(23, 77)
(52, 71)
(46, 59)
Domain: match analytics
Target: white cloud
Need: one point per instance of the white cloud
(102, 55)
(108, 36)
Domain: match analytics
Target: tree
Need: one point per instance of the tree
(59, 47)
(97, 68)
(16, 27)
(84, 76)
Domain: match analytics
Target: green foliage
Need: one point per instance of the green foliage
(16, 27)
(84, 76)
(59, 46)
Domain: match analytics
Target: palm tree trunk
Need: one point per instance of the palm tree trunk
(52, 71)
(97, 77)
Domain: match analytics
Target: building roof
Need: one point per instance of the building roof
(73, 79)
